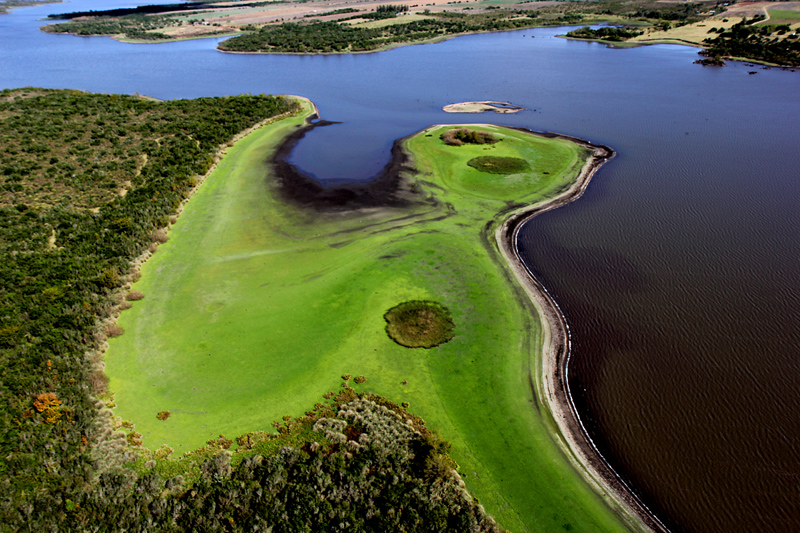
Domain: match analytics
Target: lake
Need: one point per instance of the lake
(677, 270)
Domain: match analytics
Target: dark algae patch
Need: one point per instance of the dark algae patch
(499, 165)
(295, 186)
(419, 324)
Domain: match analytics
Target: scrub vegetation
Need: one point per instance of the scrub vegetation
(771, 43)
(337, 37)
(419, 324)
(67, 237)
(7, 5)
(606, 33)
(726, 31)
(311, 27)
(459, 136)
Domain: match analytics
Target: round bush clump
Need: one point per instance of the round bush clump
(499, 165)
(419, 324)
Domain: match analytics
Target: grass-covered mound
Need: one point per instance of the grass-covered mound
(459, 136)
(356, 463)
(419, 324)
(499, 165)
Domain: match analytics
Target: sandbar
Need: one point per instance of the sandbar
(482, 106)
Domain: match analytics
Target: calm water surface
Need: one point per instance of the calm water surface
(677, 271)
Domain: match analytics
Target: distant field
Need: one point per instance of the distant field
(691, 33)
(783, 16)
(405, 19)
(254, 309)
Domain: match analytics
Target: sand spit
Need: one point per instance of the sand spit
(481, 107)
(553, 384)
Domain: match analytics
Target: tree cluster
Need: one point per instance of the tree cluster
(459, 136)
(605, 33)
(761, 43)
(131, 26)
(359, 464)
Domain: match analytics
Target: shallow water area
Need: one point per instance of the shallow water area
(677, 270)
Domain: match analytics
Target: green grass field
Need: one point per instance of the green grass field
(783, 16)
(254, 309)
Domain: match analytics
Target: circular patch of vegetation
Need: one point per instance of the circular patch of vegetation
(499, 165)
(419, 324)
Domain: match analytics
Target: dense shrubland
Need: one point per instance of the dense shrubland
(358, 463)
(460, 136)
(605, 33)
(140, 27)
(6, 5)
(67, 239)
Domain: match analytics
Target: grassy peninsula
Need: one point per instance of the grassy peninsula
(90, 184)
(263, 300)
(268, 291)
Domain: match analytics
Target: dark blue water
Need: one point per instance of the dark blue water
(678, 270)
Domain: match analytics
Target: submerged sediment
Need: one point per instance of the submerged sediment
(389, 188)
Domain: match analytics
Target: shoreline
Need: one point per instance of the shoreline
(551, 386)
(553, 389)
(555, 352)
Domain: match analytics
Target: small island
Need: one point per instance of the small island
(482, 106)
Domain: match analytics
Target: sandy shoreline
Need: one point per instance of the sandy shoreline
(552, 374)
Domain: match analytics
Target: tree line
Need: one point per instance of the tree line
(333, 37)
